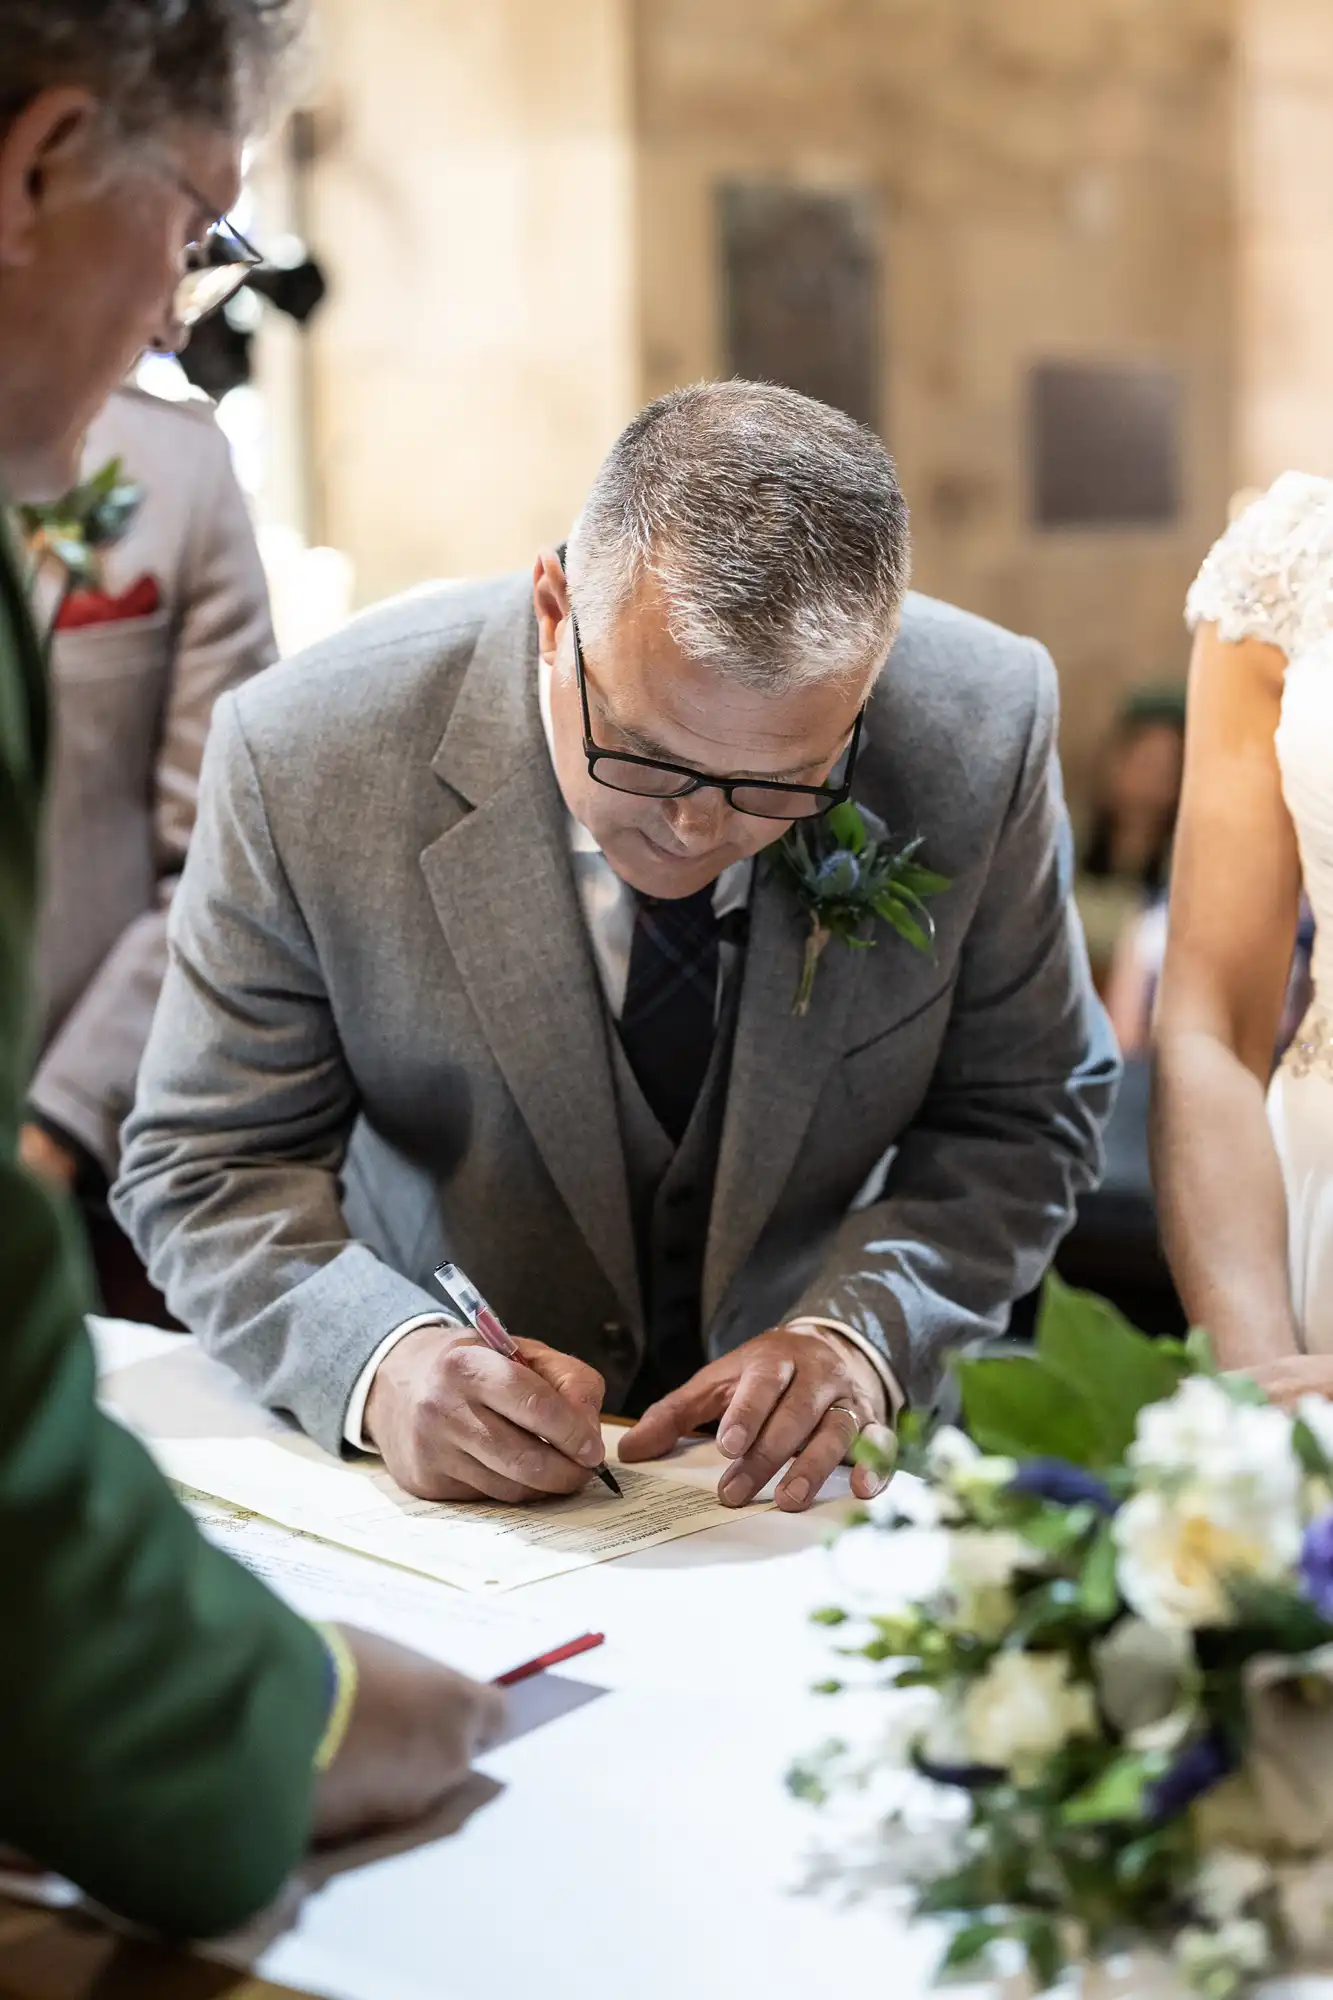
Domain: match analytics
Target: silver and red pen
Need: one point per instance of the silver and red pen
(463, 1295)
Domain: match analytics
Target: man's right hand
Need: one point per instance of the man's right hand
(454, 1421)
(414, 1730)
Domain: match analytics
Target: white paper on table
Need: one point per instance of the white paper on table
(475, 1635)
(209, 1435)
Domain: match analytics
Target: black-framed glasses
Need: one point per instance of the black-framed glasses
(653, 778)
(216, 266)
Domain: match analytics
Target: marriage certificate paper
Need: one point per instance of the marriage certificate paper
(208, 1434)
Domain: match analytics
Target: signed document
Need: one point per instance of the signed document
(209, 1436)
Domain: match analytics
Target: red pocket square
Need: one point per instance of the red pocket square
(97, 607)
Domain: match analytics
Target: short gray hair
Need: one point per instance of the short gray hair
(215, 62)
(773, 527)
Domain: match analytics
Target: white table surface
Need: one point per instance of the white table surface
(639, 1840)
(642, 1842)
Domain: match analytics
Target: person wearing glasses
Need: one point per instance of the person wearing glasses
(481, 952)
(173, 1736)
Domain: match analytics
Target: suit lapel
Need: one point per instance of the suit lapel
(778, 1069)
(503, 890)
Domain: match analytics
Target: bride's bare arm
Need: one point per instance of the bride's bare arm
(1234, 902)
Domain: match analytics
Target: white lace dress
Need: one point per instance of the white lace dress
(1271, 578)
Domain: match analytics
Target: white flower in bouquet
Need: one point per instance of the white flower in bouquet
(1022, 1710)
(1220, 1962)
(1220, 1497)
(966, 1473)
(1176, 1556)
(1238, 1454)
(981, 1567)
(1227, 1881)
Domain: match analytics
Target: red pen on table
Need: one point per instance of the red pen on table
(464, 1296)
(555, 1659)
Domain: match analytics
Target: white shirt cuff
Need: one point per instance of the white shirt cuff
(354, 1421)
(886, 1375)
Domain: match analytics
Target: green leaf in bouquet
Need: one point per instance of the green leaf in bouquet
(1313, 1458)
(830, 1614)
(1269, 1619)
(1016, 1408)
(1087, 1344)
(1056, 1530)
(1040, 1939)
(1199, 1351)
(1098, 1588)
(1116, 1795)
(972, 1887)
(969, 1944)
(1043, 1612)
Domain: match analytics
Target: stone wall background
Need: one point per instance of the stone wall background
(518, 206)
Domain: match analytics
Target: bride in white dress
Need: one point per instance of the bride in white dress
(1243, 1158)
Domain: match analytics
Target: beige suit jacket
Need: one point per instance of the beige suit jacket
(133, 702)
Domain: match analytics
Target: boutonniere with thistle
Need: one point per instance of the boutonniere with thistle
(75, 530)
(847, 872)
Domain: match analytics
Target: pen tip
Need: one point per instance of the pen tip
(608, 1478)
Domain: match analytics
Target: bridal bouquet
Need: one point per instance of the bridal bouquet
(1118, 1642)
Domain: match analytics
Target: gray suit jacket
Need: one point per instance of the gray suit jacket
(133, 702)
(377, 942)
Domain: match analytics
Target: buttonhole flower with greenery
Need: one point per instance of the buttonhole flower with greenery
(77, 529)
(847, 872)
(1110, 1596)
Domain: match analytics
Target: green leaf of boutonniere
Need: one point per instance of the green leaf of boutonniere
(847, 871)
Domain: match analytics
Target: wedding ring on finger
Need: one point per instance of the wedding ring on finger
(846, 1410)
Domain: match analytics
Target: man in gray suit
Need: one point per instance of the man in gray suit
(134, 695)
(479, 953)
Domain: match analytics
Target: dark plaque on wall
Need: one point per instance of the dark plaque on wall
(801, 293)
(1105, 446)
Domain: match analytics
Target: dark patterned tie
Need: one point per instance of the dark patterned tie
(670, 1011)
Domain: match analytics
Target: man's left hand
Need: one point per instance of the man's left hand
(797, 1396)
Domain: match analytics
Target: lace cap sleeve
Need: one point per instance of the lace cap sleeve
(1272, 571)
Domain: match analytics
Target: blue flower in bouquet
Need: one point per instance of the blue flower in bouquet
(1317, 1564)
(1197, 1770)
(1066, 1485)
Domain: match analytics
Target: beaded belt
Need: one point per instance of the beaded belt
(1311, 1053)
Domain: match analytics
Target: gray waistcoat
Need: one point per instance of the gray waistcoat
(671, 1199)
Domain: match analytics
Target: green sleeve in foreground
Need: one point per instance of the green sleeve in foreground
(160, 1711)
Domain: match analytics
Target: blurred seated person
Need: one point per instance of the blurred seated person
(173, 612)
(1125, 858)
